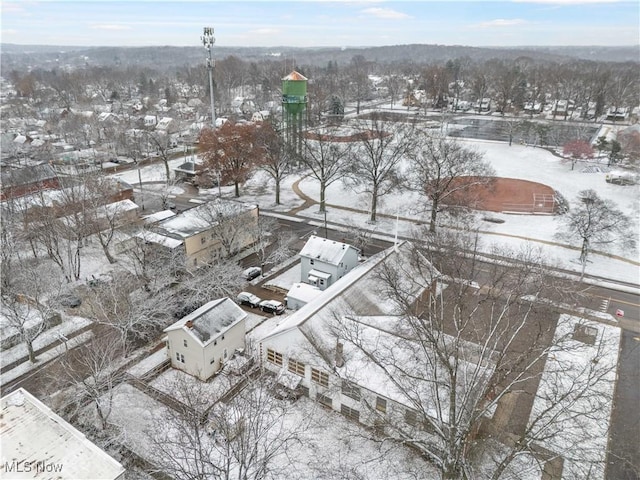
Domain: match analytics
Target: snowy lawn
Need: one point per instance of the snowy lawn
(329, 446)
(286, 279)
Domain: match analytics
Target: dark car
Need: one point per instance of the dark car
(251, 273)
(272, 306)
(246, 298)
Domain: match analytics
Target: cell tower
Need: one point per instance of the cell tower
(294, 108)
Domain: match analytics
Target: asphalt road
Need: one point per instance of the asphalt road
(623, 458)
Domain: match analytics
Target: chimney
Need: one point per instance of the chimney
(189, 324)
(339, 354)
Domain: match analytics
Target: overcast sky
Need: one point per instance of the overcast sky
(322, 23)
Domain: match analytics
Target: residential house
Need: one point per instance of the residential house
(324, 261)
(209, 230)
(167, 125)
(150, 121)
(205, 340)
(37, 443)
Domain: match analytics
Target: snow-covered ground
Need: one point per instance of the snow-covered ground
(517, 231)
(330, 446)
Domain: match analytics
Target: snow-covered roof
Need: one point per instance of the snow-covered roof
(159, 216)
(303, 292)
(328, 251)
(31, 433)
(200, 218)
(28, 175)
(359, 292)
(158, 239)
(295, 77)
(210, 321)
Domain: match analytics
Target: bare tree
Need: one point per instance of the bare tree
(276, 160)
(26, 286)
(246, 438)
(161, 142)
(374, 163)
(443, 169)
(325, 156)
(92, 372)
(595, 222)
(129, 311)
(230, 224)
(464, 347)
(270, 246)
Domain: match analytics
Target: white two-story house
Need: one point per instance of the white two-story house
(203, 341)
(323, 261)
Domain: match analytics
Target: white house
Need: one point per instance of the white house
(203, 341)
(37, 443)
(324, 261)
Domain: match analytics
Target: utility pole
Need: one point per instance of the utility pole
(208, 40)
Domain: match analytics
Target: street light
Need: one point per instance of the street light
(208, 40)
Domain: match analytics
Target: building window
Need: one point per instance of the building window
(202, 240)
(324, 400)
(381, 404)
(184, 342)
(179, 357)
(222, 338)
(274, 357)
(182, 358)
(350, 390)
(321, 281)
(351, 413)
(311, 262)
(321, 378)
(225, 353)
(410, 417)
(296, 367)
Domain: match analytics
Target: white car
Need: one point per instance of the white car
(246, 298)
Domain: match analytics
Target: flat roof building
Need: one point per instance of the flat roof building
(36, 443)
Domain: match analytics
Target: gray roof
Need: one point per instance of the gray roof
(28, 175)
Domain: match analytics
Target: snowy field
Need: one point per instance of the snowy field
(517, 231)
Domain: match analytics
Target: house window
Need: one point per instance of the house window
(350, 390)
(381, 404)
(222, 338)
(311, 262)
(182, 358)
(202, 240)
(410, 417)
(351, 413)
(225, 353)
(321, 378)
(324, 400)
(296, 367)
(177, 356)
(274, 357)
(184, 342)
(321, 281)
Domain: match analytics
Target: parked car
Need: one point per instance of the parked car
(246, 298)
(272, 306)
(252, 272)
(70, 301)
